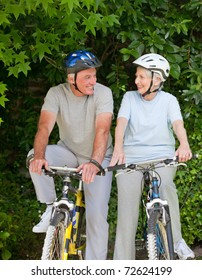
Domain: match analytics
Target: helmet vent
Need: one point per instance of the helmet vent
(155, 63)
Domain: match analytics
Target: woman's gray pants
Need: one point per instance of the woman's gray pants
(129, 196)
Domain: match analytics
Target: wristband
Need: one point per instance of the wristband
(28, 159)
(93, 161)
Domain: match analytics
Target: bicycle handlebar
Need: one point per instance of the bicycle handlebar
(73, 173)
(164, 161)
(63, 171)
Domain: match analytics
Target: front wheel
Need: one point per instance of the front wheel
(53, 248)
(159, 237)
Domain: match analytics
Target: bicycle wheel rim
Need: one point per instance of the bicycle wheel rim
(53, 248)
(157, 238)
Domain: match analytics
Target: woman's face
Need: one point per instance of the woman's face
(143, 79)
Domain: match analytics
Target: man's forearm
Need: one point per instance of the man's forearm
(40, 143)
(100, 146)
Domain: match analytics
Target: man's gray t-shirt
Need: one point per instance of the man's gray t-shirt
(76, 116)
(149, 132)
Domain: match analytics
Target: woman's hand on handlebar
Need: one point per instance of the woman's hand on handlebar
(118, 157)
(183, 153)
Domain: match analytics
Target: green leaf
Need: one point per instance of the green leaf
(111, 19)
(4, 235)
(174, 58)
(160, 47)
(41, 49)
(175, 71)
(6, 255)
(3, 88)
(15, 9)
(89, 3)
(3, 99)
(4, 17)
(16, 38)
(91, 22)
(24, 67)
(31, 6)
(46, 3)
(21, 57)
(70, 3)
(13, 70)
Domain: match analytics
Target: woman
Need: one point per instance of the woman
(144, 131)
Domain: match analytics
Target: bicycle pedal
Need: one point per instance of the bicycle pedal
(80, 255)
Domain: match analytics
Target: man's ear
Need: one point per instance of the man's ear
(70, 78)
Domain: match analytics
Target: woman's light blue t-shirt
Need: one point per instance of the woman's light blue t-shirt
(149, 133)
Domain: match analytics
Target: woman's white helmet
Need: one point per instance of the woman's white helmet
(155, 63)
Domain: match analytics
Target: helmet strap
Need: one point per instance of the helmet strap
(149, 89)
(75, 84)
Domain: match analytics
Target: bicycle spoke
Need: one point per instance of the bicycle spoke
(54, 242)
(157, 240)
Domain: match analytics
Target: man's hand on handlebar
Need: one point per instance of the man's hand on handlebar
(35, 165)
(89, 172)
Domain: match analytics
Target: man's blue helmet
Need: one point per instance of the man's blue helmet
(81, 60)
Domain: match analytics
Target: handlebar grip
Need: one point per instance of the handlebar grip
(115, 167)
(194, 156)
(176, 159)
(47, 172)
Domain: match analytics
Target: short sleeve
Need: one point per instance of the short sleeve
(174, 112)
(124, 110)
(51, 101)
(104, 100)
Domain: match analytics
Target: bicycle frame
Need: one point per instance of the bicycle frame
(154, 200)
(71, 245)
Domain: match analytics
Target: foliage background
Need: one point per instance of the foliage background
(35, 36)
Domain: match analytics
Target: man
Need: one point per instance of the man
(83, 111)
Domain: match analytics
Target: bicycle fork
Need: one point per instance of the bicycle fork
(154, 198)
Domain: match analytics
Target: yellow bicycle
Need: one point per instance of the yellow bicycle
(65, 238)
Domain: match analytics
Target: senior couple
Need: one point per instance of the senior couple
(83, 111)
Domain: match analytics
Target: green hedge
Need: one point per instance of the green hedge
(35, 36)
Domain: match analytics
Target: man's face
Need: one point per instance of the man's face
(86, 80)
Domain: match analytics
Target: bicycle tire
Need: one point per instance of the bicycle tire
(53, 248)
(159, 237)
